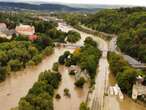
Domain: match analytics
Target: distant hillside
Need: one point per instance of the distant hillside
(40, 7)
(97, 6)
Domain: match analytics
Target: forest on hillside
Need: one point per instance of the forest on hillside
(129, 24)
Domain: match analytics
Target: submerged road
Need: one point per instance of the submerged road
(97, 98)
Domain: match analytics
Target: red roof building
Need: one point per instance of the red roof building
(32, 37)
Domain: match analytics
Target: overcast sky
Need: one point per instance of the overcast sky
(113, 2)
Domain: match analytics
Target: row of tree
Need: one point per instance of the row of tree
(16, 55)
(40, 96)
(128, 23)
(73, 36)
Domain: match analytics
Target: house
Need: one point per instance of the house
(25, 30)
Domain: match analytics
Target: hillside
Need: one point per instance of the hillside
(128, 23)
(40, 7)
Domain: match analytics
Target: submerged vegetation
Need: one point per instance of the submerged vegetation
(16, 55)
(86, 57)
(40, 96)
(80, 83)
(73, 36)
(19, 52)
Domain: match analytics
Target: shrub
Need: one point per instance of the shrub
(66, 92)
(83, 106)
(58, 96)
(80, 83)
(73, 36)
(72, 72)
(55, 66)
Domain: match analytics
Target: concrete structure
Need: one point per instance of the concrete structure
(74, 68)
(133, 62)
(138, 88)
(115, 90)
(3, 35)
(26, 30)
(3, 27)
(5, 32)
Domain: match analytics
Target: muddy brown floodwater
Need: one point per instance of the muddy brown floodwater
(77, 95)
(109, 103)
(127, 103)
(17, 85)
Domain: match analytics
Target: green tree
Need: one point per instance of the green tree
(83, 106)
(80, 83)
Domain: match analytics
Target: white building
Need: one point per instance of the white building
(3, 35)
(26, 30)
(138, 88)
(3, 27)
(5, 32)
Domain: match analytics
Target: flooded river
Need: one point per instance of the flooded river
(102, 73)
(17, 86)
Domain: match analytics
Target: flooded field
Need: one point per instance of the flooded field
(77, 95)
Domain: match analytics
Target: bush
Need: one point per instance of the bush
(73, 36)
(40, 96)
(3, 73)
(90, 41)
(58, 96)
(37, 58)
(72, 72)
(48, 51)
(61, 60)
(66, 92)
(55, 66)
(30, 63)
(83, 106)
(80, 83)
(15, 65)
